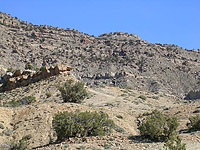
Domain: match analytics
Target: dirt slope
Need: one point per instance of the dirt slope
(36, 119)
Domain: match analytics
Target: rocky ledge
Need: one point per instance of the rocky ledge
(23, 78)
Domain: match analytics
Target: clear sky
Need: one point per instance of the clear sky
(156, 21)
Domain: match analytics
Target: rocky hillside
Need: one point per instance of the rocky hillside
(122, 105)
(116, 59)
(125, 77)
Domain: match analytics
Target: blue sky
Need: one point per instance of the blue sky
(156, 21)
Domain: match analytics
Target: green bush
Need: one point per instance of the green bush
(27, 100)
(80, 124)
(158, 126)
(73, 91)
(174, 143)
(29, 66)
(194, 123)
(10, 70)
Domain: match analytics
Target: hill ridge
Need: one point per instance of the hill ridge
(114, 59)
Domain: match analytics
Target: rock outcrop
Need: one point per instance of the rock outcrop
(23, 78)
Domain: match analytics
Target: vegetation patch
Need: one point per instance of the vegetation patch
(80, 124)
(158, 127)
(24, 101)
(174, 143)
(72, 91)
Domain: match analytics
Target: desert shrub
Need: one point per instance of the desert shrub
(10, 70)
(194, 123)
(27, 100)
(73, 91)
(29, 66)
(158, 126)
(80, 124)
(174, 142)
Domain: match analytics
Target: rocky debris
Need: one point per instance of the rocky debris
(23, 78)
(28, 72)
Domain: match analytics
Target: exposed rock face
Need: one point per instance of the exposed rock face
(27, 77)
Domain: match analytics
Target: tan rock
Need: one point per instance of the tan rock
(29, 76)
(11, 80)
(28, 72)
(66, 73)
(24, 77)
(60, 68)
(69, 68)
(18, 78)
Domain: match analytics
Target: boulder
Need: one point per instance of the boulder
(11, 81)
(36, 77)
(7, 76)
(27, 72)
(24, 80)
(10, 84)
(17, 73)
(52, 70)
(24, 77)
(61, 68)
(45, 73)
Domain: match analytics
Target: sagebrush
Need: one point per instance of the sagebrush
(73, 91)
(80, 124)
(157, 126)
(174, 142)
(27, 100)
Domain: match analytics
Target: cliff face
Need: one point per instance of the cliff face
(117, 59)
